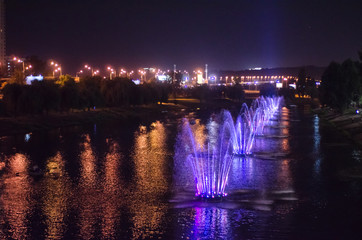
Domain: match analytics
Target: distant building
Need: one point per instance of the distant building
(267, 75)
(12, 64)
(2, 35)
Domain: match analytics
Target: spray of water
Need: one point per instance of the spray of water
(210, 165)
(211, 162)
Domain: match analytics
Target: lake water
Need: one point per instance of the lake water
(124, 181)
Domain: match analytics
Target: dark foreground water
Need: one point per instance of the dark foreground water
(123, 181)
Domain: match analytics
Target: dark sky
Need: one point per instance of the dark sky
(225, 34)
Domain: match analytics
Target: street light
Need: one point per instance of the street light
(89, 68)
(56, 68)
(19, 60)
(122, 71)
(28, 67)
(112, 71)
(143, 75)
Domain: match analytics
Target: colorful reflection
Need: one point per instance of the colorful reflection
(111, 180)
(316, 145)
(211, 223)
(56, 197)
(244, 174)
(111, 188)
(151, 182)
(15, 197)
(87, 161)
(89, 195)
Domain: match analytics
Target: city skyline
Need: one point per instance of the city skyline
(227, 36)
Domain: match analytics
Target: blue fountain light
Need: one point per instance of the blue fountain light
(210, 166)
(265, 109)
(211, 159)
(242, 131)
(249, 123)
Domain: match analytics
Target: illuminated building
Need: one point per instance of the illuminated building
(278, 76)
(200, 78)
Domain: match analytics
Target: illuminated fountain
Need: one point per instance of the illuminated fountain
(209, 153)
(249, 123)
(210, 165)
(242, 132)
(267, 108)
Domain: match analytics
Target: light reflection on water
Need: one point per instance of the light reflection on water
(56, 196)
(150, 160)
(260, 174)
(316, 146)
(88, 167)
(90, 198)
(150, 157)
(120, 183)
(15, 198)
(211, 223)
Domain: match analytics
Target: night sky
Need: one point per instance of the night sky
(228, 35)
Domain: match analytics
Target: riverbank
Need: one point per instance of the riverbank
(350, 124)
(26, 124)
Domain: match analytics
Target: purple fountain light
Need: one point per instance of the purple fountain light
(249, 122)
(267, 108)
(210, 157)
(210, 165)
(242, 131)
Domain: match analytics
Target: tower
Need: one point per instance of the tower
(2, 34)
(174, 74)
(206, 73)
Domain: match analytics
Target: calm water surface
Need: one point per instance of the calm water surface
(130, 181)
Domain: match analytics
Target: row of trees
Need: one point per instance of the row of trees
(342, 84)
(64, 94)
(91, 92)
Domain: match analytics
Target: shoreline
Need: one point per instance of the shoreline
(26, 124)
(350, 125)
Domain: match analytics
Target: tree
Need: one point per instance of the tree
(331, 84)
(69, 95)
(63, 79)
(10, 99)
(18, 76)
(90, 90)
(301, 83)
(341, 84)
(351, 77)
(202, 93)
(50, 95)
(39, 66)
(311, 88)
(235, 92)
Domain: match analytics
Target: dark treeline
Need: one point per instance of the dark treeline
(341, 85)
(65, 94)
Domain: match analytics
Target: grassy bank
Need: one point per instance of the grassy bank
(350, 124)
